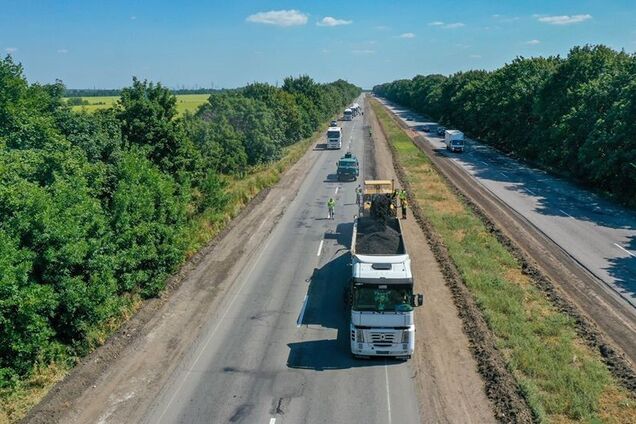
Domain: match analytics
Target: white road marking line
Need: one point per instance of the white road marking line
(337, 189)
(531, 192)
(272, 421)
(565, 213)
(301, 316)
(624, 250)
(504, 174)
(320, 247)
(485, 163)
(388, 391)
(216, 327)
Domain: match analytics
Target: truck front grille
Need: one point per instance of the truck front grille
(382, 338)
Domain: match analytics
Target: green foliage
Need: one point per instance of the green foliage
(573, 115)
(96, 208)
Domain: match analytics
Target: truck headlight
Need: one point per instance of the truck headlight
(360, 336)
(406, 335)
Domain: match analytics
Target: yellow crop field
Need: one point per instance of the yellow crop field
(185, 102)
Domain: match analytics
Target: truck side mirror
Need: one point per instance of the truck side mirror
(418, 300)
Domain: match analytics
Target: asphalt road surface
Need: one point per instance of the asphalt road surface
(598, 234)
(279, 350)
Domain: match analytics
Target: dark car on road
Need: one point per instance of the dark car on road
(440, 131)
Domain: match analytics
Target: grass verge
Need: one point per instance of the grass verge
(561, 378)
(16, 401)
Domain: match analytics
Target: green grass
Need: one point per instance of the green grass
(185, 102)
(562, 379)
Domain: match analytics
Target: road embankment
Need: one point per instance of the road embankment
(535, 361)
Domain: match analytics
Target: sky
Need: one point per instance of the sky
(225, 44)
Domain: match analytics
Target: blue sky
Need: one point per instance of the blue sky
(230, 43)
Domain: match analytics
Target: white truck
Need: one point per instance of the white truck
(334, 138)
(380, 293)
(348, 114)
(356, 109)
(454, 140)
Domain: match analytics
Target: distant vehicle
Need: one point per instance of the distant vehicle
(356, 109)
(441, 131)
(348, 114)
(426, 128)
(408, 118)
(454, 140)
(333, 123)
(380, 294)
(334, 138)
(348, 167)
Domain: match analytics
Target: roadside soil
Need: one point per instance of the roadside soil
(446, 375)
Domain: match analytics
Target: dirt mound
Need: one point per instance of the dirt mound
(376, 237)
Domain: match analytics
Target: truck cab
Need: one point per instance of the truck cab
(334, 138)
(348, 114)
(348, 167)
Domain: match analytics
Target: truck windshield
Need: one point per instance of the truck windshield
(380, 300)
(333, 134)
(458, 142)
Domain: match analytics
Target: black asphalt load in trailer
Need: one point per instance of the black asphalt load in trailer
(379, 237)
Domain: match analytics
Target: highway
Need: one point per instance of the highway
(279, 350)
(599, 235)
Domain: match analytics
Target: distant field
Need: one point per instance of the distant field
(185, 102)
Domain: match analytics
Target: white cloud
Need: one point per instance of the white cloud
(62, 51)
(132, 18)
(563, 19)
(330, 22)
(475, 56)
(444, 25)
(325, 51)
(407, 35)
(11, 50)
(533, 42)
(283, 18)
(505, 19)
(382, 28)
(363, 51)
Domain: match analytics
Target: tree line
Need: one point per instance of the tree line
(94, 207)
(573, 115)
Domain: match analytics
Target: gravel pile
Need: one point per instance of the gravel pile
(375, 237)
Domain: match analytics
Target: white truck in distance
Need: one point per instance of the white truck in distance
(334, 138)
(380, 293)
(348, 114)
(454, 140)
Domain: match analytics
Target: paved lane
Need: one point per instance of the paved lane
(279, 348)
(598, 234)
